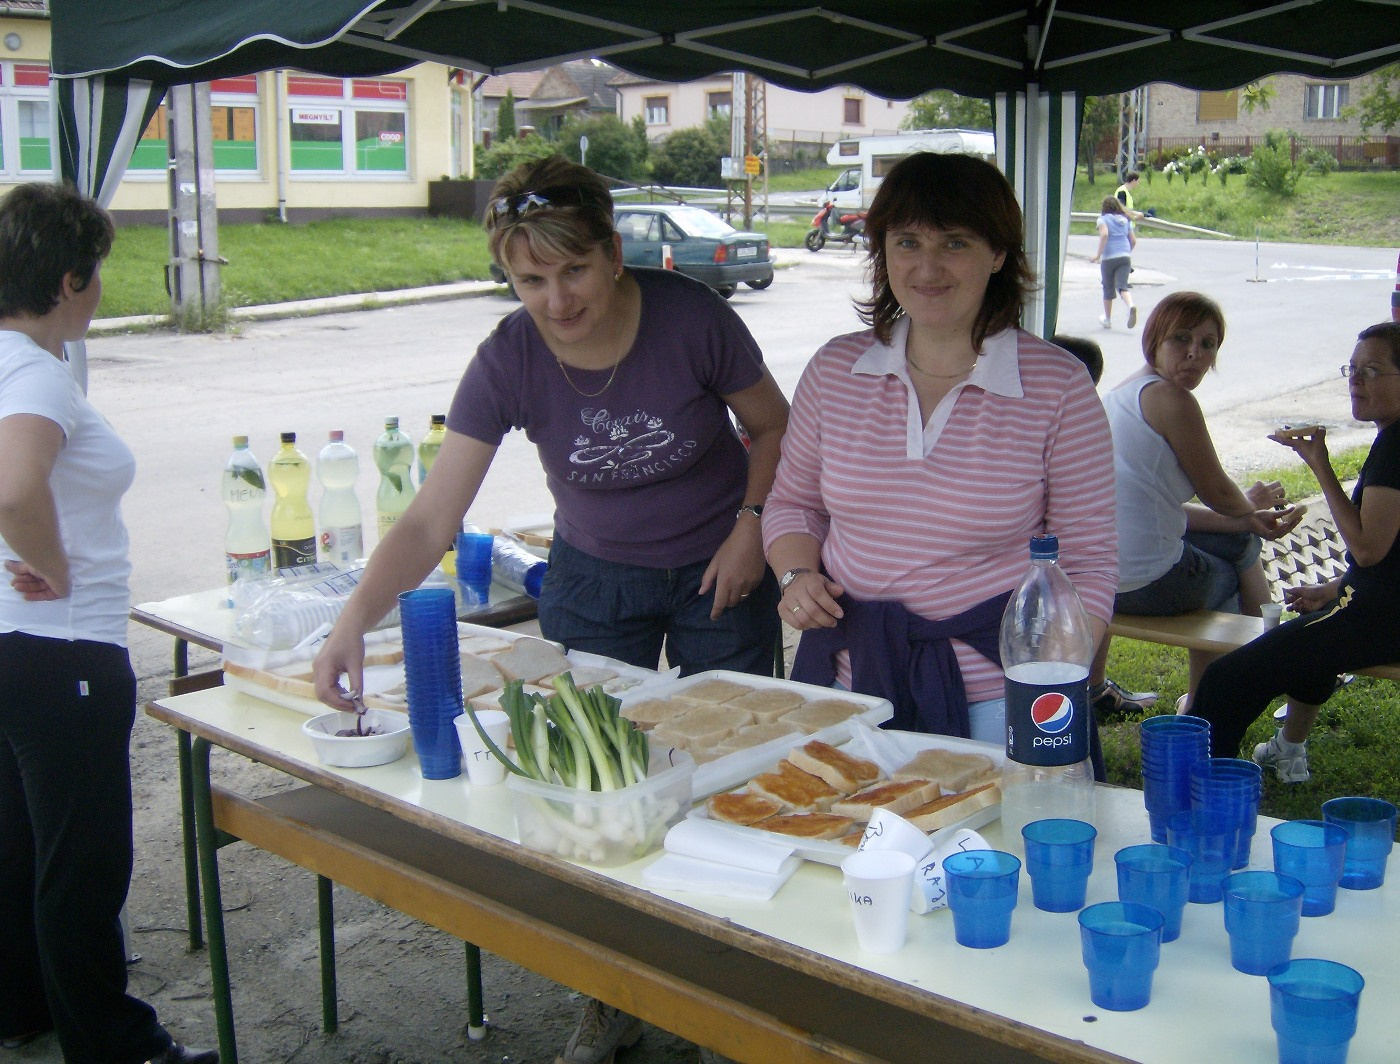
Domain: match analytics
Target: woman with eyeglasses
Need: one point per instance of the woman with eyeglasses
(1176, 555)
(1349, 623)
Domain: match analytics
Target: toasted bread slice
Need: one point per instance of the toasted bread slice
(892, 796)
(796, 790)
(824, 712)
(954, 770)
(714, 690)
(853, 839)
(808, 825)
(531, 660)
(755, 735)
(767, 704)
(702, 727)
(951, 808)
(838, 768)
(741, 807)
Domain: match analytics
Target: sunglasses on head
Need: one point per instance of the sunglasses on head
(508, 210)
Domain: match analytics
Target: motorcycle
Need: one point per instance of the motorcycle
(838, 229)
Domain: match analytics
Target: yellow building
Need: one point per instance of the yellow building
(302, 145)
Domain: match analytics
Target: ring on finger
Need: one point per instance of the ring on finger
(797, 609)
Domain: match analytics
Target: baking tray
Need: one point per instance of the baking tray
(888, 749)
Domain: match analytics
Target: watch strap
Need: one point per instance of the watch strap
(785, 581)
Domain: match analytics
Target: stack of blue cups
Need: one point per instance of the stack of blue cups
(433, 677)
(1230, 786)
(1170, 746)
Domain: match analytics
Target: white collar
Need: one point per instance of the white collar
(997, 369)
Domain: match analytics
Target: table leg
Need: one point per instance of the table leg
(476, 1019)
(325, 905)
(187, 831)
(207, 846)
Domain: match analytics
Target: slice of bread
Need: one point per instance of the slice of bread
(741, 807)
(492, 699)
(291, 685)
(808, 825)
(755, 735)
(951, 808)
(797, 790)
(702, 727)
(954, 770)
(479, 644)
(479, 676)
(824, 712)
(895, 797)
(646, 713)
(713, 690)
(586, 676)
(836, 767)
(383, 653)
(531, 660)
(767, 704)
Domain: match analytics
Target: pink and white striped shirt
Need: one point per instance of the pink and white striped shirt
(938, 516)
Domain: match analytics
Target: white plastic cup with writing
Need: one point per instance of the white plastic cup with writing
(483, 767)
(930, 889)
(878, 884)
(1272, 612)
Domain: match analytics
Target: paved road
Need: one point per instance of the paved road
(178, 399)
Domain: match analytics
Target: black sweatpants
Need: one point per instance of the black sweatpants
(1300, 659)
(66, 713)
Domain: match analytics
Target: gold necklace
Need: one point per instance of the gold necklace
(940, 376)
(589, 395)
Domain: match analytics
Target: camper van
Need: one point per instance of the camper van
(868, 159)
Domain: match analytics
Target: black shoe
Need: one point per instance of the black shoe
(1111, 702)
(19, 1041)
(178, 1054)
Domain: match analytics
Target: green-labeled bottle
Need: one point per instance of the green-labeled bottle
(293, 524)
(432, 443)
(393, 454)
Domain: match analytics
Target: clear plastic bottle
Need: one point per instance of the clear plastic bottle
(342, 529)
(432, 443)
(393, 454)
(1046, 647)
(293, 524)
(247, 550)
(515, 567)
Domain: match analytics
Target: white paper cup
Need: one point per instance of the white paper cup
(878, 884)
(890, 831)
(930, 890)
(1272, 612)
(483, 767)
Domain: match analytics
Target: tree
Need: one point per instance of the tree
(1380, 106)
(613, 147)
(1258, 96)
(1100, 120)
(506, 155)
(690, 157)
(944, 109)
(505, 117)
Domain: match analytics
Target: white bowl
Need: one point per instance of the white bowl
(358, 751)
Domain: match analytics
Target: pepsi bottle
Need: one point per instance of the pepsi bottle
(1046, 647)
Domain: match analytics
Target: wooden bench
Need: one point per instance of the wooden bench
(1312, 553)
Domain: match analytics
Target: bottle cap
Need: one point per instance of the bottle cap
(337, 435)
(1046, 546)
(391, 423)
(289, 437)
(240, 442)
(438, 419)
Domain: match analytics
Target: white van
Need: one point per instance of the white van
(868, 159)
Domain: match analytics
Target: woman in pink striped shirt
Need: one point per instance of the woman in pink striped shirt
(924, 452)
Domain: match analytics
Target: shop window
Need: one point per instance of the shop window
(348, 126)
(24, 120)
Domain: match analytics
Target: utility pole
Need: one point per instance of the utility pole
(1132, 129)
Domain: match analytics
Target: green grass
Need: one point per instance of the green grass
(801, 180)
(1352, 747)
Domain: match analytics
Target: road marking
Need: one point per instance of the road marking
(1331, 273)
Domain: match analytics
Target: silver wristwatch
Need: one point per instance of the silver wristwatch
(785, 581)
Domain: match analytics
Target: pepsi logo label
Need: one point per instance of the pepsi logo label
(1052, 712)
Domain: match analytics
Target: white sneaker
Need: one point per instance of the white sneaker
(602, 1030)
(1290, 767)
(1103, 320)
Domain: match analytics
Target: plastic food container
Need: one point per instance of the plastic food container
(604, 827)
(358, 751)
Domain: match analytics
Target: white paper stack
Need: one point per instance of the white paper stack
(703, 857)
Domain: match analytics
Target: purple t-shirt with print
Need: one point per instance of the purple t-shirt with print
(650, 472)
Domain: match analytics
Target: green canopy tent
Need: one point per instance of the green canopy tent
(1035, 59)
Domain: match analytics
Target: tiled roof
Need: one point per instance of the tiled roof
(24, 7)
(521, 83)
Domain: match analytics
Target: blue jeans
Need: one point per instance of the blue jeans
(630, 612)
(1207, 577)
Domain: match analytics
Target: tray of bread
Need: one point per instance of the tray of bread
(489, 657)
(817, 796)
(734, 723)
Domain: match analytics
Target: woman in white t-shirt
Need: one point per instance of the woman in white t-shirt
(67, 692)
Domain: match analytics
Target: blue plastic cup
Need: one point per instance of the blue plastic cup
(432, 679)
(1370, 827)
(1232, 786)
(474, 565)
(1121, 943)
(982, 886)
(1262, 914)
(1158, 877)
(1210, 840)
(1314, 852)
(1059, 858)
(1313, 1005)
